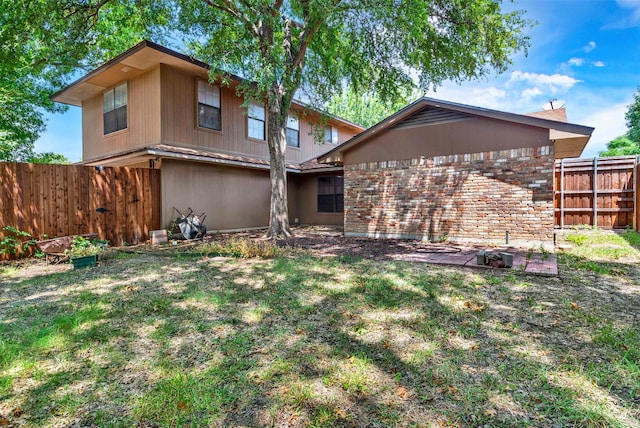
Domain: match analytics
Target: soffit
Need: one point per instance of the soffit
(431, 116)
(121, 69)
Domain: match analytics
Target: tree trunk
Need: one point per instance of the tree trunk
(278, 213)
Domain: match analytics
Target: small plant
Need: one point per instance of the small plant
(545, 253)
(81, 247)
(15, 241)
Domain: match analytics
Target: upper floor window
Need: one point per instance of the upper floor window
(293, 131)
(331, 135)
(256, 121)
(331, 194)
(208, 106)
(114, 107)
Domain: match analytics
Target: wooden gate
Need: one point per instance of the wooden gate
(120, 204)
(600, 192)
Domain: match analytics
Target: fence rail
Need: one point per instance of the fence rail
(120, 204)
(600, 192)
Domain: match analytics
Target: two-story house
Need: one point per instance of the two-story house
(152, 107)
(434, 169)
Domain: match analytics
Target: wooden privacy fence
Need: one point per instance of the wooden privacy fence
(600, 192)
(120, 204)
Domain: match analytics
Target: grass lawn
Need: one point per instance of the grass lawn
(183, 339)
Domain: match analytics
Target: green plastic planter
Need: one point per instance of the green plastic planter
(84, 261)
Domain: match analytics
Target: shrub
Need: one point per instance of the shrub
(15, 242)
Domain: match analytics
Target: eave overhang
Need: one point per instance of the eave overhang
(145, 56)
(166, 151)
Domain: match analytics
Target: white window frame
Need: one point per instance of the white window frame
(293, 124)
(254, 116)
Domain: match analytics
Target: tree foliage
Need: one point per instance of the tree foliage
(633, 119)
(365, 109)
(629, 143)
(45, 43)
(621, 146)
(49, 157)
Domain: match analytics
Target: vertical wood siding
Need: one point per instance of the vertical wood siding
(604, 189)
(61, 200)
(179, 122)
(143, 121)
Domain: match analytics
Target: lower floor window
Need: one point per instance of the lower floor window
(331, 194)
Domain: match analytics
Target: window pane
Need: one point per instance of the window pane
(256, 111)
(208, 94)
(293, 138)
(115, 120)
(107, 101)
(339, 184)
(334, 135)
(255, 128)
(325, 185)
(339, 203)
(202, 91)
(120, 95)
(327, 134)
(110, 122)
(214, 96)
(121, 117)
(325, 204)
(208, 117)
(293, 123)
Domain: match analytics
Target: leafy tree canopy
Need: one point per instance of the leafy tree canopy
(49, 157)
(44, 44)
(365, 109)
(633, 119)
(629, 143)
(621, 146)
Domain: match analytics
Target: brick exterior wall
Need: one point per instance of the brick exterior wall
(472, 197)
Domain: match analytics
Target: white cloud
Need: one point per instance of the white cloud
(609, 123)
(590, 46)
(530, 93)
(598, 64)
(576, 61)
(471, 93)
(633, 15)
(554, 83)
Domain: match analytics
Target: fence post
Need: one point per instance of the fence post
(595, 192)
(636, 182)
(562, 193)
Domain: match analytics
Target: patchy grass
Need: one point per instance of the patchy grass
(296, 340)
(605, 245)
(602, 252)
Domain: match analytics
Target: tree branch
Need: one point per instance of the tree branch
(228, 7)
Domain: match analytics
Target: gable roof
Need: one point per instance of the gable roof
(140, 58)
(559, 114)
(570, 139)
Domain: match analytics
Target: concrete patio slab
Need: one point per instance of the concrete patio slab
(524, 261)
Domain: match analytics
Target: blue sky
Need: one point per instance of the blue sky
(585, 52)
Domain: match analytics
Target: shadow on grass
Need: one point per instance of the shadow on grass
(303, 341)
